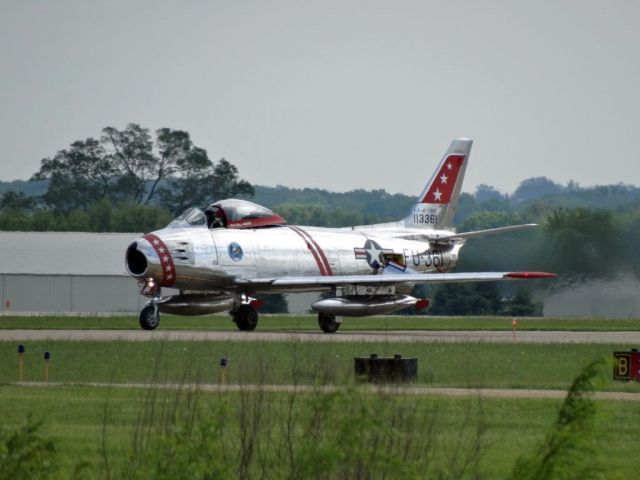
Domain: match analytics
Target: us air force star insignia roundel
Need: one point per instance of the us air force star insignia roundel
(372, 252)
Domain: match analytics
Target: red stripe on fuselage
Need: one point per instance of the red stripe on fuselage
(316, 251)
(311, 249)
(320, 251)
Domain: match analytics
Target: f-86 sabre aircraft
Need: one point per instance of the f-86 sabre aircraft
(222, 258)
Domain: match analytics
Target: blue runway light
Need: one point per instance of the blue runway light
(20, 363)
(222, 373)
(47, 355)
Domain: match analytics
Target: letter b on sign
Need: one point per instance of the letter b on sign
(621, 365)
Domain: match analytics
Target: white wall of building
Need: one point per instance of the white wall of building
(69, 293)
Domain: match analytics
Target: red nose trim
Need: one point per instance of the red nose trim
(530, 275)
(166, 262)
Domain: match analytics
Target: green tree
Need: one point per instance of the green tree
(274, 303)
(465, 299)
(489, 219)
(17, 202)
(534, 188)
(583, 241)
(130, 152)
(129, 166)
(139, 218)
(485, 193)
(78, 176)
(522, 305)
(298, 214)
(200, 181)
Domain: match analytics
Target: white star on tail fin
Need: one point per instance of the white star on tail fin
(437, 203)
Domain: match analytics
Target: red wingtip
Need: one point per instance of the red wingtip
(422, 304)
(257, 303)
(530, 275)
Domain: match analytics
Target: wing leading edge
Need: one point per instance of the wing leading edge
(391, 279)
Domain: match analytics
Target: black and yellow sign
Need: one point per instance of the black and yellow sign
(622, 366)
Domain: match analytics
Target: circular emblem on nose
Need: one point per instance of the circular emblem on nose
(235, 252)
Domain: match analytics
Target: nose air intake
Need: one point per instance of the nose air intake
(135, 261)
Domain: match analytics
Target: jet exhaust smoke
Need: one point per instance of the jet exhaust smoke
(616, 298)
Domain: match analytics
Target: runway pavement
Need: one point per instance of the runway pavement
(395, 390)
(619, 338)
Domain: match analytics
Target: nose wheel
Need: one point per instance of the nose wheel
(328, 323)
(149, 317)
(246, 317)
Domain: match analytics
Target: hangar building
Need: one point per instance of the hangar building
(66, 272)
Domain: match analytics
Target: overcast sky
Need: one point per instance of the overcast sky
(333, 94)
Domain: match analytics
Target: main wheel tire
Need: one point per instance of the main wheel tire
(328, 323)
(246, 318)
(149, 318)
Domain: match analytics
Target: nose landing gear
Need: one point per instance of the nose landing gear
(150, 314)
(150, 317)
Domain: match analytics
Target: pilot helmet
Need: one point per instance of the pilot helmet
(215, 217)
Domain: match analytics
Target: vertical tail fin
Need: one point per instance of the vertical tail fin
(437, 203)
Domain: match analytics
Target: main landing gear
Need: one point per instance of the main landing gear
(328, 323)
(245, 317)
(150, 317)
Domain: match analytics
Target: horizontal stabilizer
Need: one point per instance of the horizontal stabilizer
(481, 233)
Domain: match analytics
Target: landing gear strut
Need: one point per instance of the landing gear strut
(246, 317)
(150, 317)
(328, 323)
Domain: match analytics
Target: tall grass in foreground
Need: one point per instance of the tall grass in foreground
(344, 433)
(25, 453)
(570, 449)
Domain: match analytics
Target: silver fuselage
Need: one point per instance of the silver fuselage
(209, 259)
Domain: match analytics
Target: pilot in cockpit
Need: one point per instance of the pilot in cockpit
(215, 217)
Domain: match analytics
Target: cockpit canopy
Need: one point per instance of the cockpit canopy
(234, 213)
(231, 213)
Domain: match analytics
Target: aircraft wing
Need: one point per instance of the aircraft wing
(390, 279)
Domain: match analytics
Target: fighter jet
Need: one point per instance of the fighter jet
(223, 258)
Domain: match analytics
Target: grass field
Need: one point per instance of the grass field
(550, 366)
(309, 323)
(499, 431)
(510, 428)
